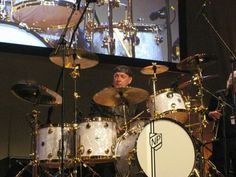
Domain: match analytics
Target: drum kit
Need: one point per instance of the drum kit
(43, 22)
(152, 146)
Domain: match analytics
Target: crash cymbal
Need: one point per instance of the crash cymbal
(75, 57)
(115, 96)
(192, 63)
(34, 93)
(149, 70)
(190, 82)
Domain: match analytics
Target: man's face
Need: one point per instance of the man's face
(121, 79)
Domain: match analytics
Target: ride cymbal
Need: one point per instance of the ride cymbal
(73, 58)
(116, 96)
(37, 94)
(191, 81)
(150, 70)
(192, 63)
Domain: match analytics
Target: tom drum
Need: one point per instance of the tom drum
(49, 145)
(96, 139)
(168, 103)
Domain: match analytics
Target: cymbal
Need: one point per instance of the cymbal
(192, 63)
(37, 94)
(149, 70)
(75, 57)
(191, 81)
(114, 96)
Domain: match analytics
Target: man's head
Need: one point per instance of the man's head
(122, 76)
(229, 81)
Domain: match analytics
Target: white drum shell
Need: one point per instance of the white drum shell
(168, 103)
(127, 164)
(96, 139)
(49, 145)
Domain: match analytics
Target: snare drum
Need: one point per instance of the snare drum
(96, 139)
(44, 14)
(49, 145)
(146, 45)
(13, 33)
(168, 103)
(166, 151)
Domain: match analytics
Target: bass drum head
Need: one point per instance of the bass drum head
(168, 151)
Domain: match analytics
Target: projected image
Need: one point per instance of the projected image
(132, 28)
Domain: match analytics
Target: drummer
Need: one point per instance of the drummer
(122, 78)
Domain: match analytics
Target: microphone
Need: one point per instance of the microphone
(161, 13)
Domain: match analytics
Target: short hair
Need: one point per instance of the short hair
(124, 69)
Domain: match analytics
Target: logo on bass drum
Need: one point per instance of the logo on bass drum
(155, 140)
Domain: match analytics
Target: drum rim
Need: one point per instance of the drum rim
(98, 118)
(164, 114)
(52, 125)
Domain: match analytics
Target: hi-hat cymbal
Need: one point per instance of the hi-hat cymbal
(115, 96)
(191, 81)
(74, 57)
(158, 69)
(192, 63)
(37, 94)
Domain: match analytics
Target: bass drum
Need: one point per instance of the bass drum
(146, 45)
(15, 34)
(167, 150)
(44, 14)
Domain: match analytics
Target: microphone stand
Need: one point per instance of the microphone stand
(233, 58)
(62, 44)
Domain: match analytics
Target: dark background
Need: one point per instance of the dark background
(196, 37)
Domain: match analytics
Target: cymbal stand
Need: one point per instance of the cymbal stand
(129, 30)
(152, 127)
(34, 161)
(197, 80)
(110, 41)
(75, 74)
(154, 80)
(123, 104)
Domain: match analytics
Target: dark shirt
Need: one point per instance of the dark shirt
(115, 113)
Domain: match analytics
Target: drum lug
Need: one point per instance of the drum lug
(88, 126)
(50, 155)
(50, 131)
(89, 151)
(170, 95)
(107, 151)
(130, 156)
(106, 125)
(81, 149)
(173, 105)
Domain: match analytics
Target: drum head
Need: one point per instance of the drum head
(167, 151)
